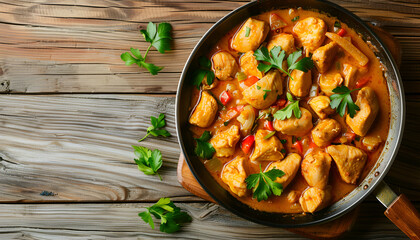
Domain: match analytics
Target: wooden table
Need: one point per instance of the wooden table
(71, 109)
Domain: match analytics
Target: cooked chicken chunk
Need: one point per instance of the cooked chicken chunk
(249, 65)
(316, 168)
(205, 111)
(295, 126)
(293, 196)
(234, 176)
(321, 106)
(264, 92)
(224, 65)
(301, 83)
(267, 149)
(315, 199)
(349, 73)
(325, 131)
(283, 40)
(206, 86)
(350, 161)
(224, 142)
(324, 56)
(330, 80)
(371, 142)
(369, 108)
(250, 36)
(246, 119)
(310, 32)
(290, 166)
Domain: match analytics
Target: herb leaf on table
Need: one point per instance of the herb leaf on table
(156, 128)
(148, 161)
(171, 217)
(159, 37)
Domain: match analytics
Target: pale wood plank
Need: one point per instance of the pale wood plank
(120, 221)
(78, 146)
(74, 46)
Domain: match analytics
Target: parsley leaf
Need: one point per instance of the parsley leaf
(203, 71)
(171, 217)
(159, 37)
(204, 149)
(275, 59)
(292, 108)
(247, 31)
(266, 93)
(295, 19)
(342, 99)
(148, 161)
(263, 184)
(155, 129)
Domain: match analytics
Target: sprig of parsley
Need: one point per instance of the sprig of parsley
(156, 128)
(148, 161)
(292, 108)
(275, 59)
(204, 149)
(158, 37)
(342, 100)
(263, 184)
(203, 71)
(171, 217)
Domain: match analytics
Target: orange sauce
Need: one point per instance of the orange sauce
(339, 187)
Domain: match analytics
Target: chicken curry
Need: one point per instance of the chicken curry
(290, 112)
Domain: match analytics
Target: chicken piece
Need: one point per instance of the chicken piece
(316, 168)
(301, 83)
(295, 126)
(264, 93)
(349, 160)
(284, 40)
(267, 149)
(246, 119)
(224, 65)
(369, 108)
(310, 32)
(290, 166)
(324, 56)
(224, 142)
(349, 72)
(258, 30)
(321, 106)
(372, 142)
(234, 176)
(330, 80)
(249, 65)
(293, 196)
(205, 111)
(315, 199)
(325, 131)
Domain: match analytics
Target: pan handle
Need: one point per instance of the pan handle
(405, 216)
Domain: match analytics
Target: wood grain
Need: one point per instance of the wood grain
(78, 146)
(120, 221)
(405, 216)
(74, 46)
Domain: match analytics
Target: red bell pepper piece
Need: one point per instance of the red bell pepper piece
(269, 125)
(350, 136)
(361, 82)
(342, 32)
(276, 22)
(247, 143)
(280, 103)
(225, 97)
(251, 80)
(298, 146)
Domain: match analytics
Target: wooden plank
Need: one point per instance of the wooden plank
(75, 46)
(120, 221)
(78, 146)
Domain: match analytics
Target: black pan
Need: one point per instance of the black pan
(223, 197)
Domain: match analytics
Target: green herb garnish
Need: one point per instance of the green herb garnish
(266, 93)
(159, 37)
(156, 128)
(342, 100)
(203, 71)
(283, 151)
(226, 123)
(292, 108)
(269, 135)
(295, 19)
(283, 141)
(204, 149)
(247, 31)
(337, 24)
(263, 184)
(170, 216)
(275, 59)
(148, 161)
(258, 87)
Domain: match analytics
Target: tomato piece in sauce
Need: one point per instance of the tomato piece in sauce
(225, 97)
(361, 82)
(251, 80)
(247, 143)
(342, 32)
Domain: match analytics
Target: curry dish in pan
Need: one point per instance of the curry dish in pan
(290, 110)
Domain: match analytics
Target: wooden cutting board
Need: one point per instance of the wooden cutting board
(329, 230)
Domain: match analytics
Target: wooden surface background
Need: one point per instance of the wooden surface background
(71, 109)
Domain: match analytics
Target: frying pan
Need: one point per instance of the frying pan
(405, 216)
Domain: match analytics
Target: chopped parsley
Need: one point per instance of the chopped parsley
(247, 31)
(263, 184)
(342, 100)
(292, 108)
